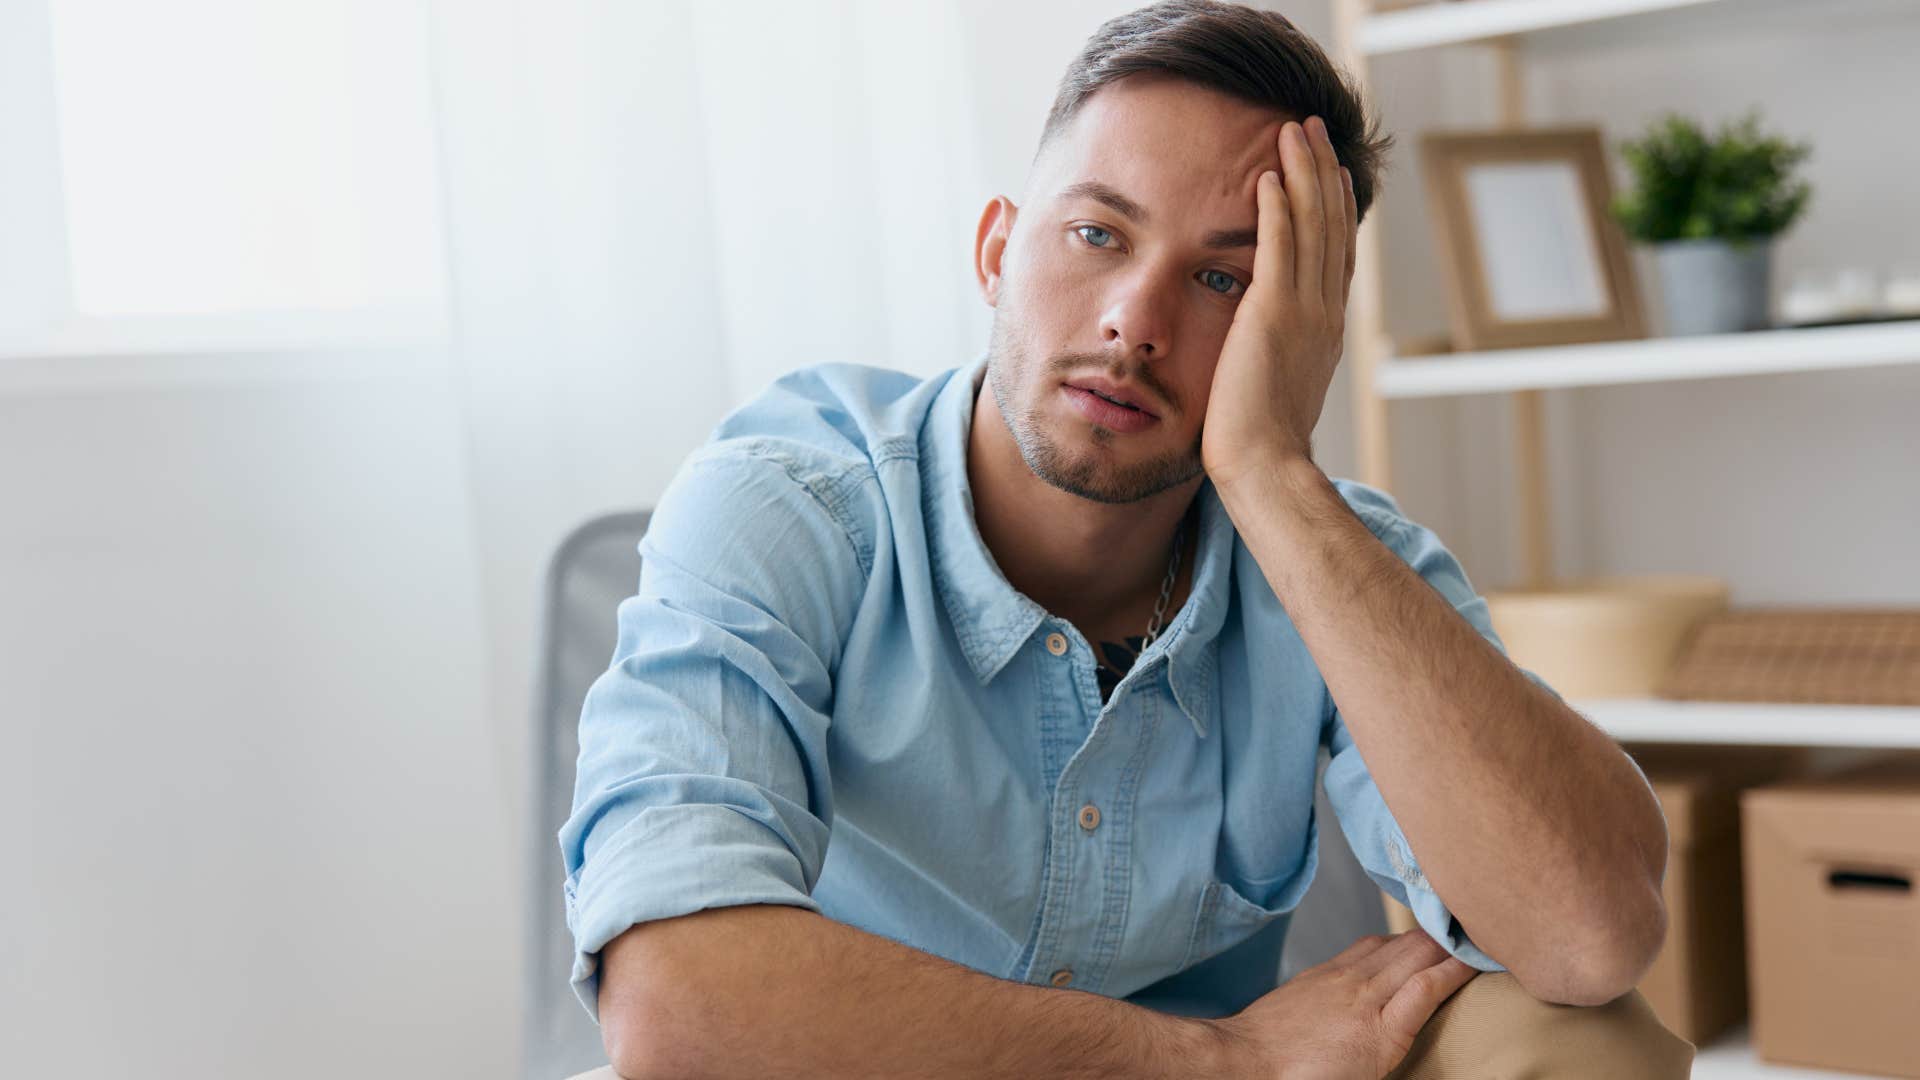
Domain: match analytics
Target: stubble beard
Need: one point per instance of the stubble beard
(1085, 474)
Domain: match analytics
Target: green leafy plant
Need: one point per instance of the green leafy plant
(1736, 186)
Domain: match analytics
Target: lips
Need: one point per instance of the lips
(1116, 401)
(1122, 396)
(1104, 412)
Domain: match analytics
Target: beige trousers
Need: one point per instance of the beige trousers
(1491, 1029)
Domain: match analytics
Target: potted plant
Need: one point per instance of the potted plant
(1711, 208)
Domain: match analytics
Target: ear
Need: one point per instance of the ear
(990, 246)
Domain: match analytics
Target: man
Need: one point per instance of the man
(968, 726)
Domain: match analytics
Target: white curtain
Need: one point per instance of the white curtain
(655, 208)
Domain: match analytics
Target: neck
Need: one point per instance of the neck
(1084, 561)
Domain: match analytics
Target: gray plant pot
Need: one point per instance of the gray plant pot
(1711, 287)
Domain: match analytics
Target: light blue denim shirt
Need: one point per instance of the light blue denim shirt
(825, 694)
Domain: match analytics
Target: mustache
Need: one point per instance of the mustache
(1067, 363)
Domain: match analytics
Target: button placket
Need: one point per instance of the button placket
(1062, 933)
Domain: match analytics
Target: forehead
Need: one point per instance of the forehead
(1168, 143)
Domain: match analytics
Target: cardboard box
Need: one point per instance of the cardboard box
(1833, 918)
(1698, 984)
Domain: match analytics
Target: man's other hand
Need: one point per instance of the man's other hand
(1351, 1018)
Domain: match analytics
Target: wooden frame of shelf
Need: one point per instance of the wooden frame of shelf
(1367, 340)
(1379, 377)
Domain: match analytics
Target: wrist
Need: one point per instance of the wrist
(1222, 1050)
(1263, 473)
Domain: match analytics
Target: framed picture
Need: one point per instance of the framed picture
(1532, 256)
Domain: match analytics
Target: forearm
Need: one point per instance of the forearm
(1529, 820)
(782, 992)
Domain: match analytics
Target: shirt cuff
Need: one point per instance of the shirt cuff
(1430, 911)
(669, 861)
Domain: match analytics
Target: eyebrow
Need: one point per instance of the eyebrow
(1217, 240)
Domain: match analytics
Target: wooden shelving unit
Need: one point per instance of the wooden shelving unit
(1380, 376)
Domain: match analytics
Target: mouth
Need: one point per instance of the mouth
(1111, 400)
(1113, 396)
(1108, 410)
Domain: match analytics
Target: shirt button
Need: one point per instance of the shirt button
(1089, 817)
(1057, 644)
(1062, 977)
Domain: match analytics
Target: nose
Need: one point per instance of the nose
(1136, 322)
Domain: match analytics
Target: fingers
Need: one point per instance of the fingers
(1353, 235)
(1302, 174)
(1332, 191)
(1395, 951)
(1361, 948)
(1423, 993)
(1418, 953)
(1273, 253)
(1309, 222)
(1408, 976)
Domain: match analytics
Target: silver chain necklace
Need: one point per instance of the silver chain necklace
(1166, 589)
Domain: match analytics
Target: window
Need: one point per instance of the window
(222, 174)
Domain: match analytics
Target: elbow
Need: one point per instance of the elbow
(1611, 958)
(663, 1010)
(626, 1062)
(637, 1012)
(635, 1048)
(642, 1044)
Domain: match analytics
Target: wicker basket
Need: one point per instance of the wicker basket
(1825, 656)
(1604, 637)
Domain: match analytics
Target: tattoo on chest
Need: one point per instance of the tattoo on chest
(1116, 659)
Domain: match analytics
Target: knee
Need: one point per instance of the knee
(1493, 1029)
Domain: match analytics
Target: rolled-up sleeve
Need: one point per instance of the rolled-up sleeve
(702, 780)
(1375, 837)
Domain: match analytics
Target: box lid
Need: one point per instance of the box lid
(1869, 814)
(1894, 778)
(1699, 786)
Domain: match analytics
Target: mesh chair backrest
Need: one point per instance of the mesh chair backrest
(592, 570)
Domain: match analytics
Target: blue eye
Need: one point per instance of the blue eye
(1083, 230)
(1209, 275)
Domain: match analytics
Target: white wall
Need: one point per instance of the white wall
(249, 827)
(267, 621)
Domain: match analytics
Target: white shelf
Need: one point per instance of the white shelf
(1479, 20)
(1732, 1058)
(1611, 363)
(1758, 724)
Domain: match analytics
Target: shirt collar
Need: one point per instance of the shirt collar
(992, 619)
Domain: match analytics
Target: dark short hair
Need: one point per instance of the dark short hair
(1257, 56)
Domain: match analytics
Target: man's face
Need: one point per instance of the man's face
(1120, 277)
